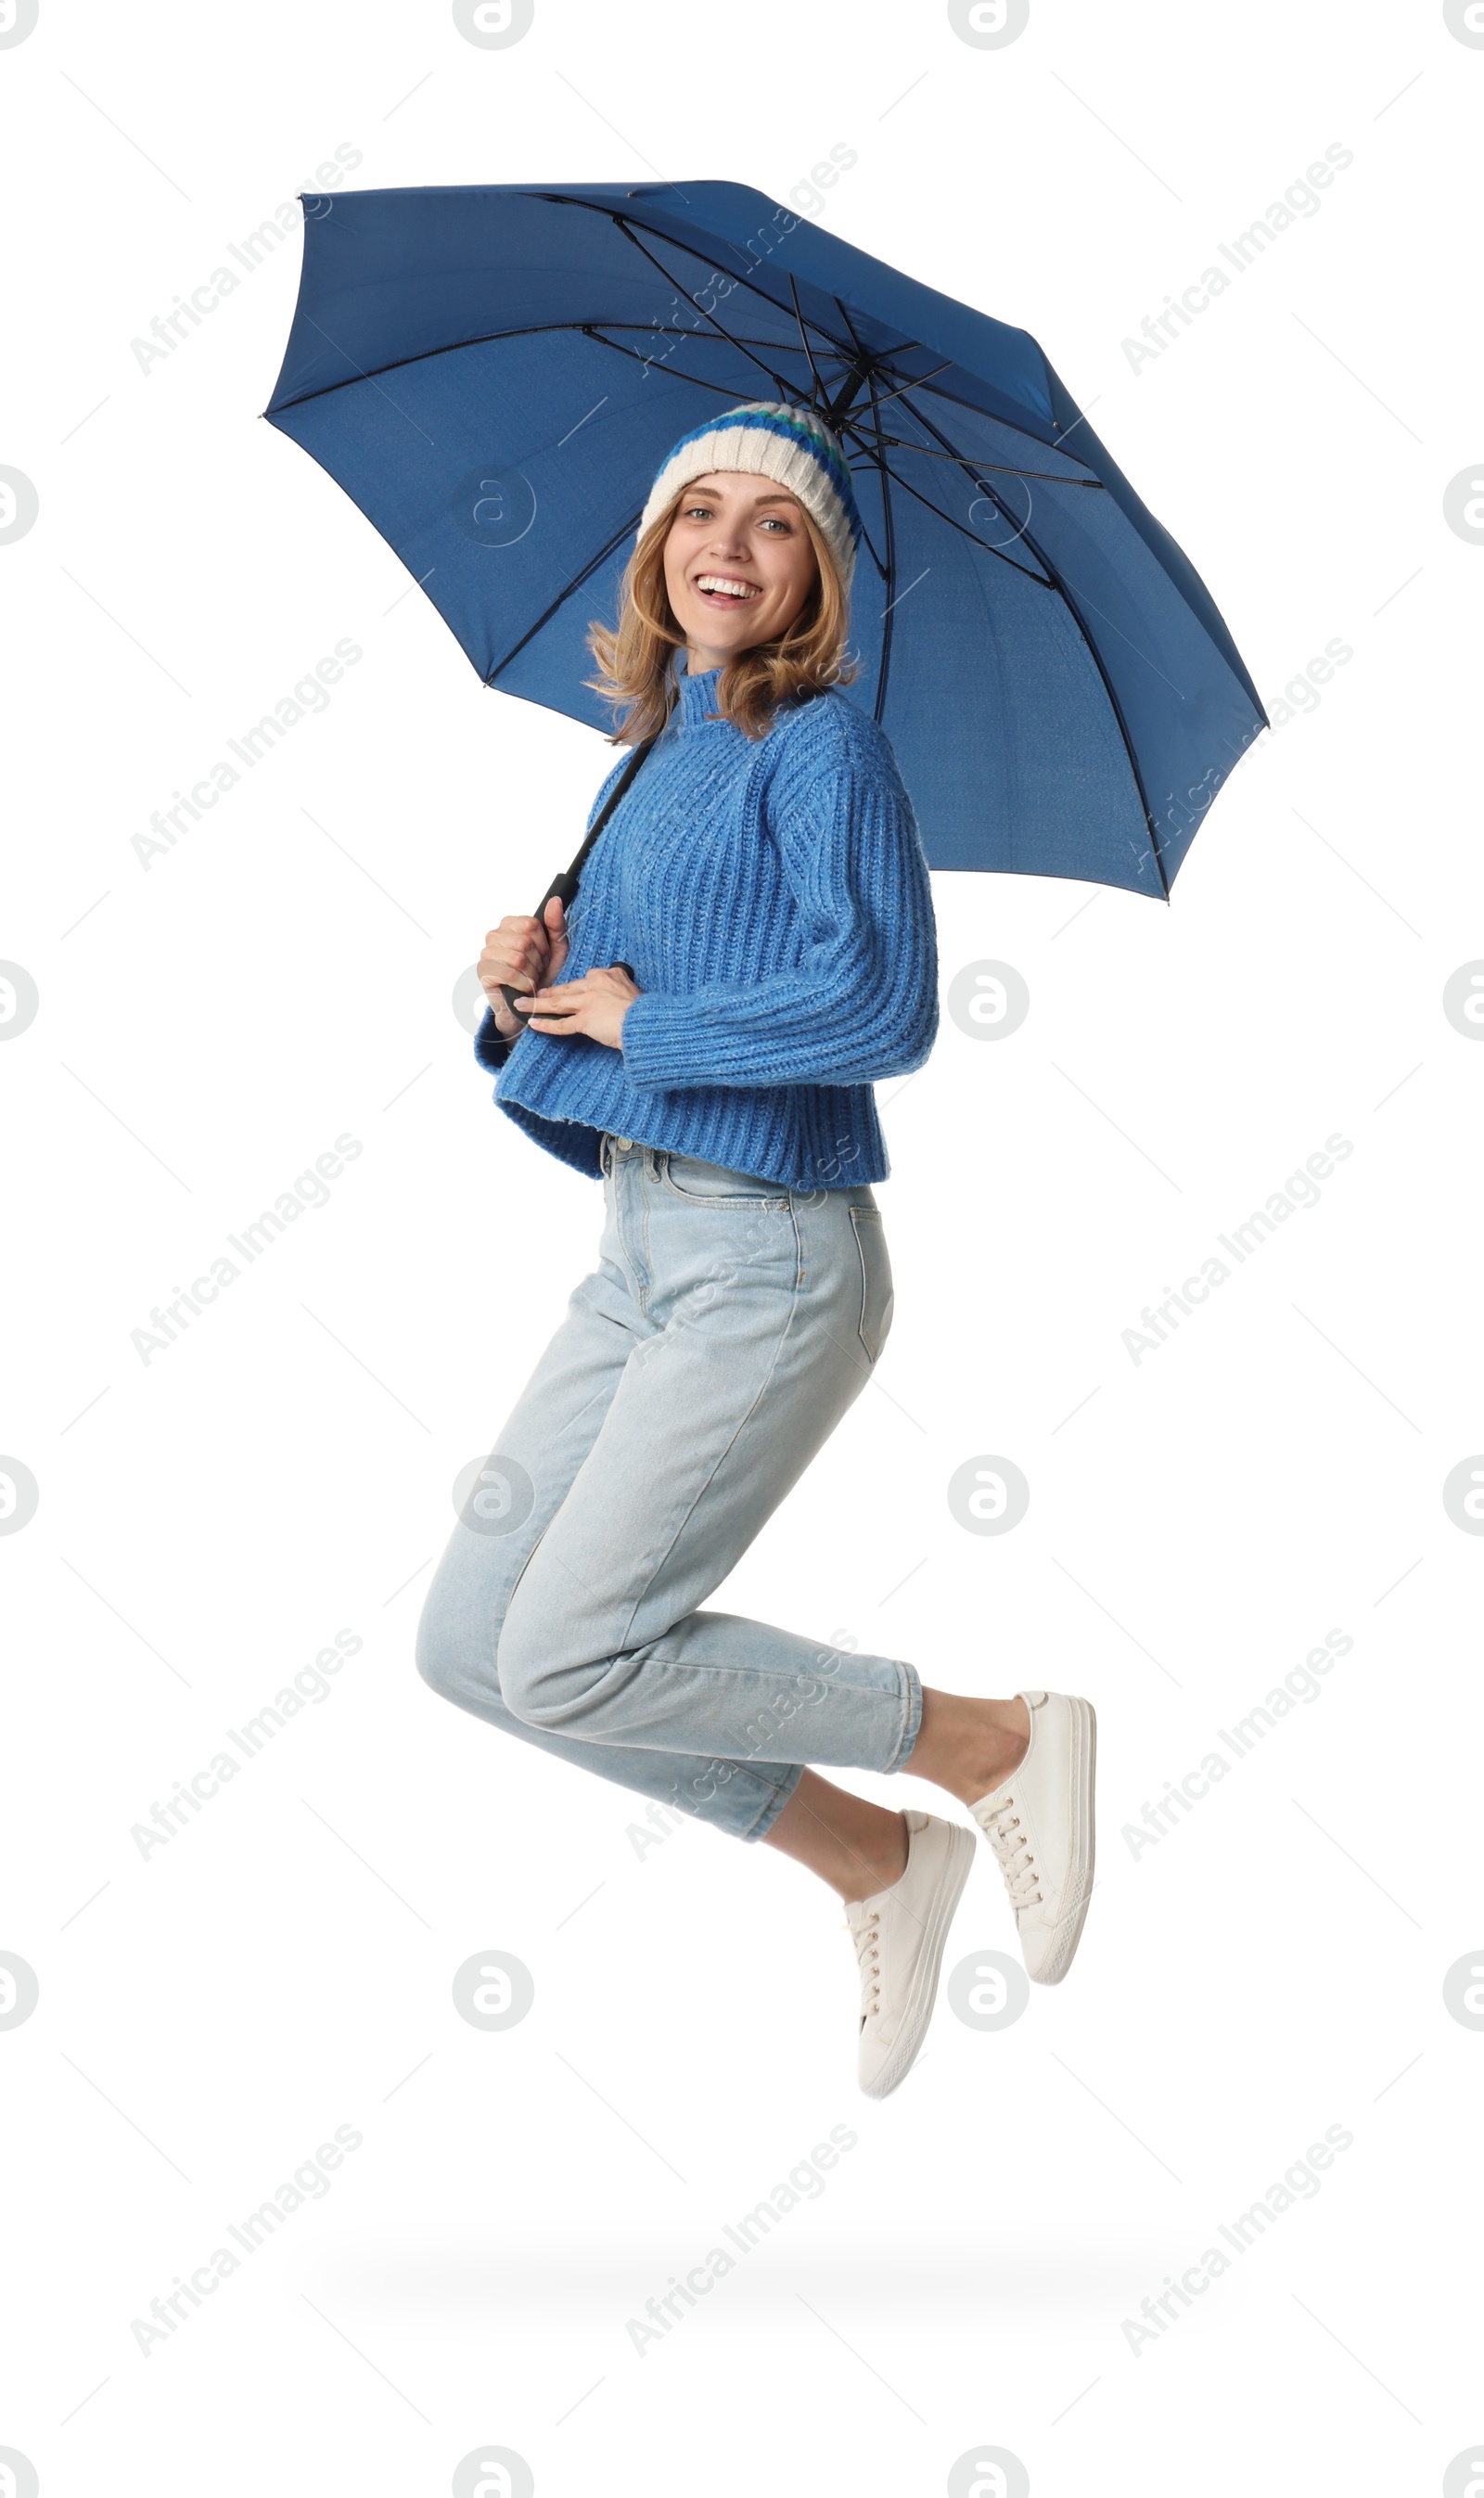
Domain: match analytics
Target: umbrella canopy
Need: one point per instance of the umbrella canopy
(494, 374)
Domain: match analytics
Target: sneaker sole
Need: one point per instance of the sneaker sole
(1084, 1777)
(925, 1984)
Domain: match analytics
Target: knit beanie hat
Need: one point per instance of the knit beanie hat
(789, 444)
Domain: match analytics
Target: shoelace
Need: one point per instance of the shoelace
(1017, 1862)
(867, 1935)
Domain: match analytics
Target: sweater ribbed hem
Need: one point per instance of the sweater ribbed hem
(798, 1138)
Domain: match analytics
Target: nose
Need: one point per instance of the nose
(727, 556)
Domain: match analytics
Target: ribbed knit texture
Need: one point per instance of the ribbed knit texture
(773, 899)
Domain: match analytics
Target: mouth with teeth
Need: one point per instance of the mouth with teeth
(725, 590)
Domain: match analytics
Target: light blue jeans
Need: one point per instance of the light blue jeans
(728, 1325)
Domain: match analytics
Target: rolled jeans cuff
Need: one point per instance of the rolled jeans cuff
(912, 1720)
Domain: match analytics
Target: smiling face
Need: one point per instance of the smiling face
(739, 564)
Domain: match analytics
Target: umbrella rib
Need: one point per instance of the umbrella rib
(363, 376)
(1116, 707)
(563, 595)
(1046, 581)
(996, 418)
(992, 467)
(953, 400)
(727, 390)
(889, 533)
(1056, 580)
(877, 559)
(1001, 467)
(632, 227)
(971, 470)
(849, 323)
(803, 335)
(919, 381)
(491, 338)
(1049, 583)
(855, 426)
(869, 363)
(629, 236)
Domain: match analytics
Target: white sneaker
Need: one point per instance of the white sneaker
(1040, 1825)
(899, 1938)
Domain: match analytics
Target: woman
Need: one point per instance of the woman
(765, 881)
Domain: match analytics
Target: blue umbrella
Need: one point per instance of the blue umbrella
(494, 374)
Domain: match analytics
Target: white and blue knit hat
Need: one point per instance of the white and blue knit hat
(789, 444)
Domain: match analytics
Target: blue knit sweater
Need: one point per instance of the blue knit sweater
(772, 897)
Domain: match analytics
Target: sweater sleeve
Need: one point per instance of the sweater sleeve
(862, 1001)
(490, 1047)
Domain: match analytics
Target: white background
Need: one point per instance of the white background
(1197, 1520)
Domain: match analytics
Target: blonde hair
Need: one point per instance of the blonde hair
(634, 659)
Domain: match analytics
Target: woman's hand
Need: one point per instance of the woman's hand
(595, 1005)
(522, 954)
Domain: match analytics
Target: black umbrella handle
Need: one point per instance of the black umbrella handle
(564, 887)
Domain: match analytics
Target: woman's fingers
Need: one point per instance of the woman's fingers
(521, 954)
(557, 1009)
(593, 1007)
(556, 943)
(516, 954)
